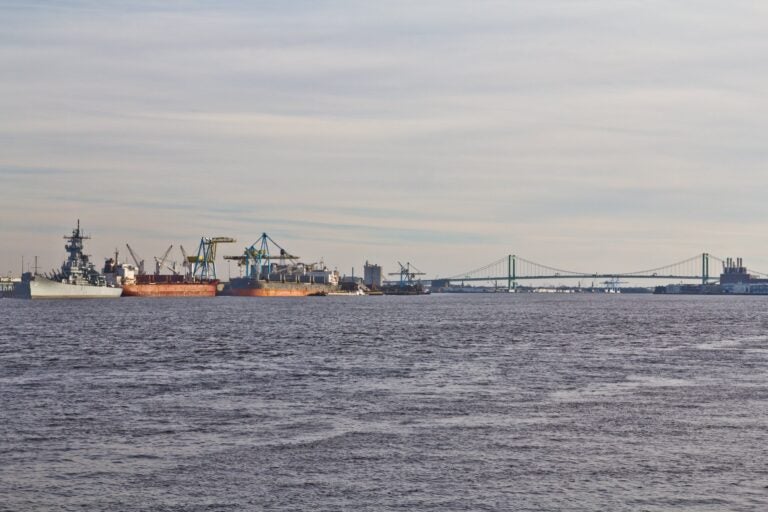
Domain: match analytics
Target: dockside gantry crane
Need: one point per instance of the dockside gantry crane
(407, 274)
(259, 255)
(205, 260)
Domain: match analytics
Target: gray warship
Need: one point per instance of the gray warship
(78, 278)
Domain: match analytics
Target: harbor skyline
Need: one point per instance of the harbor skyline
(444, 255)
(444, 133)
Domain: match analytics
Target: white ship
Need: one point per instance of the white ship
(78, 278)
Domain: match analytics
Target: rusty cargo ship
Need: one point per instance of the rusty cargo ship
(169, 286)
(198, 279)
(271, 271)
(245, 287)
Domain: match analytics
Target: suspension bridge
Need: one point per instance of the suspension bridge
(704, 268)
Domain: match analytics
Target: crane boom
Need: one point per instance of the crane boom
(407, 273)
(159, 262)
(138, 261)
(205, 261)
(187, 262)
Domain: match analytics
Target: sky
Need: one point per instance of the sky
(594, 135)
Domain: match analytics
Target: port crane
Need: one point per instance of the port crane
(205, 260)
(138, 261)
(160, 262)
(255, 257)
(407, 273)
(187, 262)
(172, 267)
(612, 285)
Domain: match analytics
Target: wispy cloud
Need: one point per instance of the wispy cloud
(388, 128)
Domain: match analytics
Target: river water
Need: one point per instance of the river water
(444, 402)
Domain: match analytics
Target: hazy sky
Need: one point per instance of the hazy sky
(592, 135)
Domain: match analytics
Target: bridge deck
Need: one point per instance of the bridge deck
(583, 276)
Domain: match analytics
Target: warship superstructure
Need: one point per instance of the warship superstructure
(77, 279)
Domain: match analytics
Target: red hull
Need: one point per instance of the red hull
(170, 290)
(271, 292)
(242, 287)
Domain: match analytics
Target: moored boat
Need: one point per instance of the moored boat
(77, 279)
(169, 286)
(245, 287)
(271, 271)
(198, 280)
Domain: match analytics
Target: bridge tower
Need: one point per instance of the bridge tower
(511, 272)
(704, 268)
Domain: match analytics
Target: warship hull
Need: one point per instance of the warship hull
(42, 288)
(242, 287)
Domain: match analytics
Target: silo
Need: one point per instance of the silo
(372, 276)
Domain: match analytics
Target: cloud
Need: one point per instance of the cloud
(390, 128)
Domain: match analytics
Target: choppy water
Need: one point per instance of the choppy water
(472, 402)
